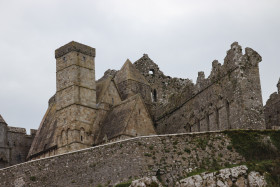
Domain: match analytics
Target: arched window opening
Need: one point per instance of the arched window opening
(198, 125)
(152, 72)
(217, 119)
(154, 95)
(82, 134)
(228, 114)
(208, 122)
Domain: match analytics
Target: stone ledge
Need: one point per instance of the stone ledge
(75, 46)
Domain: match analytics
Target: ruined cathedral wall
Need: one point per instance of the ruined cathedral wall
(230, 98)
(162, 86)
(128, 88)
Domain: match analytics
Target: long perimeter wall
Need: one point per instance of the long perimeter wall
(171, 157)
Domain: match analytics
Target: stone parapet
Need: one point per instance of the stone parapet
(17, 129)
(74, 46)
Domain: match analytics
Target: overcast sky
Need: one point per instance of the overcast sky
(181, 36)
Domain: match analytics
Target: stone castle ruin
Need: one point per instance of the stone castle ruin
(139, 100)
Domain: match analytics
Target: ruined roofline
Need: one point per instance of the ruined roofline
(173, 109)
(233, 60)
(145, 57)
(74, 46)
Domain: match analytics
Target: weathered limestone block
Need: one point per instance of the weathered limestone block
(255, 179)
(236, 176)
(146, 182)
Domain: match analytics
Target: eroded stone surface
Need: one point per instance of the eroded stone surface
(236, 176)
(146, 182)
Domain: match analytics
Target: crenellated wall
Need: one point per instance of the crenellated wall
(15, 144)
(230, 98)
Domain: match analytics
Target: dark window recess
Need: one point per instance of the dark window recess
(81, 138)
(19, 158)
(84, 58)
(154, 93)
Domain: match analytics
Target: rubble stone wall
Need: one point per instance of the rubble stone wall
(171, 157)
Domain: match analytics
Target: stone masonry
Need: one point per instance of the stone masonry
(139, 100)
(14, 144)
(272, 110)
(230, 98)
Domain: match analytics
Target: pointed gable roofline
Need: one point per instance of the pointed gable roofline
(2, 120)
(116, 121)
(129, 72)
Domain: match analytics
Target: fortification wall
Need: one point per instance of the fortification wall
(230, 98)
(19, 144)
(170, 156)
(16, 147)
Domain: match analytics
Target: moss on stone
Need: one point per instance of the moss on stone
(124, 184)
(249, 144)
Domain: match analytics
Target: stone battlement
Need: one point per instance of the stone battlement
(17, 129)
(74, 46)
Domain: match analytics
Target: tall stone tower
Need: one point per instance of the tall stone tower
(75, 96)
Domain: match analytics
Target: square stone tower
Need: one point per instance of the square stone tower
(75, 96)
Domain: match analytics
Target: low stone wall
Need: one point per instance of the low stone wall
(170, 157)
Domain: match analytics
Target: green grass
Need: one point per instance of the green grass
(249, 144)
(269, 168)
(124, 184)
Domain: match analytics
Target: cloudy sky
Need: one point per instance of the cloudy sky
(181, 36)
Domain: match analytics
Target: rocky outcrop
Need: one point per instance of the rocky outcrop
(146, 181)
(236, 176)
